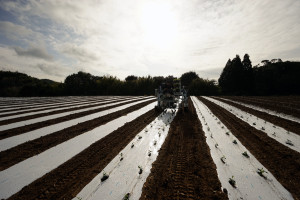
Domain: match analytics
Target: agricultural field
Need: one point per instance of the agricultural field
(119, 147)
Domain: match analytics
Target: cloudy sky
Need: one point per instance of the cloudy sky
(55, 38)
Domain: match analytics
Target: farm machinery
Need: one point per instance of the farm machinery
(169, 94)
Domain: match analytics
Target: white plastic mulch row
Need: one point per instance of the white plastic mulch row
(277, 133)
(48, 117)
(25, 137)
(54, 108)
(57, 100)
(124, 175)
(18, 176)
(249, 184)
(271, 112)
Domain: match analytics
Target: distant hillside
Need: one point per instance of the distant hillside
(18, 84)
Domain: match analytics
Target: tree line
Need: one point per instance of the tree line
(237, 78)
(269, 78)
(18, 84)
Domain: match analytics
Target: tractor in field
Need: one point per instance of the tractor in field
(169, 94)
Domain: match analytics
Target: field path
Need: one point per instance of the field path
(184, 168)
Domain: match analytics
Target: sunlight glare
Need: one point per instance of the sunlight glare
(159, 25)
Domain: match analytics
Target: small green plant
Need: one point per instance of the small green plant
(132, 145)
(211, 136)
(262, 172)
(149, 153)
(216, 145)
(234, 142)
(232, 182)
(223, 159)
(139, 137)
(245, 154)
(222, 127)
(159, 134)
(104, 177)
(155, 142)
(121, 156)
(289, 142)
(126, 197)
(208, 129)
(227, 133)
(263, 128)
(254, 123)
(274, 134)
(140, 169)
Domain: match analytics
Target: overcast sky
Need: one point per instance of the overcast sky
(52, 39)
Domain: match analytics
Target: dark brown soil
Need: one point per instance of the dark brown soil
(284, 123)
(66, 181)
(184, 168)
(281, 161)
(31, 127)
(34, 147)
(271, 105)
(33, 116)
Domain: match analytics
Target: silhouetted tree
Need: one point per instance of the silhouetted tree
(187, 78)
(131, 78)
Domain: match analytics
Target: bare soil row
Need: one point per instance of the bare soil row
(34, 147)
(280, 160)
(284, 123)
(184, 168)
(31, 127)
(289, 110)
(69, 179)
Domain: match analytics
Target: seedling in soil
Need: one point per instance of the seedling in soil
(121, 156)
(219, 122)
(126, 197)
(208, 129)
(216, 145)
(234, 142)
(245, 154)
(223, 158)
(159, 134)
(289, 142)
(104, 177)
(132, 145)
(262, 128)
(274, 134)
(261, 172)
(227, 133)
(274, 126)
(222, 127)
(140, 137)
(232, 182)
(154, 142)
(211, 136)
(254, 123)
(149, 153)
(141, 169)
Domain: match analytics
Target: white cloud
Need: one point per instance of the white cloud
(112, 36)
